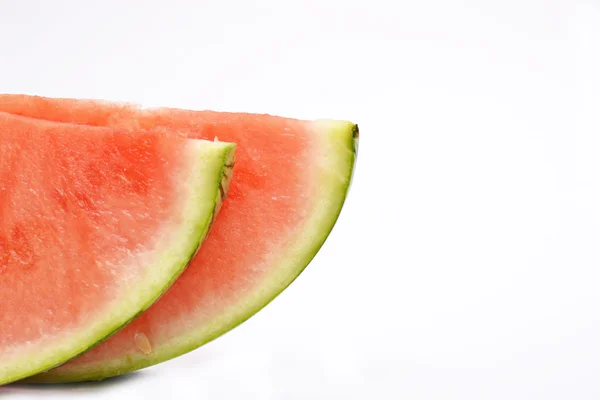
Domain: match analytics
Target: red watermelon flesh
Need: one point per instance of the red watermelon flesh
(291, 179)
(96, 225)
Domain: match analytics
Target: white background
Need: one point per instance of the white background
(466, 263)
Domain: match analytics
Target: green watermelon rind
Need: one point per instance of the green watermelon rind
(205, 184)
(339, 149)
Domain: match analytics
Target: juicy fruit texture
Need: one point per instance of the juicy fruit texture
(95, 225)
(291, 179)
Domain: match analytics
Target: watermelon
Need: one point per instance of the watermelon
(292, 177)
(96, 225)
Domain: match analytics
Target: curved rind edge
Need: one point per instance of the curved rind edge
(339, 142)
(202, 207)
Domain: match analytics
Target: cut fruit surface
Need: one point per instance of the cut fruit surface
(95, 225)
(291, 180)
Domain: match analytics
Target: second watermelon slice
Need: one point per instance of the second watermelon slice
(291, 180)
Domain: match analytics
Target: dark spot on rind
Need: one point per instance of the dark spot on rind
(355, 134)
(225, 178)
(222, 191)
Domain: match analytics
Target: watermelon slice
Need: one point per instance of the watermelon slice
(291, 179)
(96, 225)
